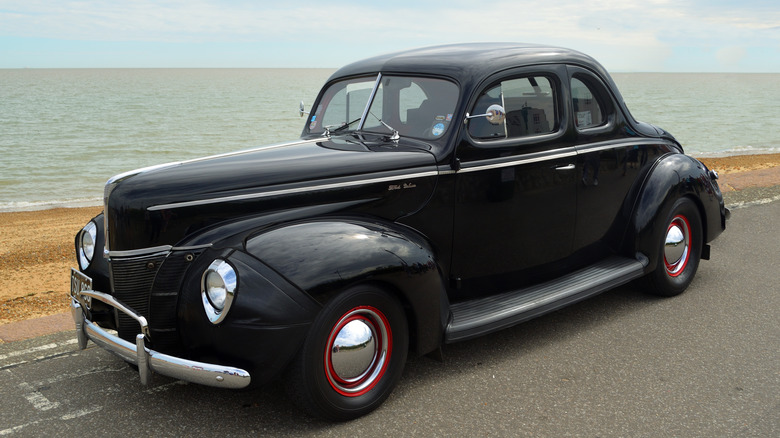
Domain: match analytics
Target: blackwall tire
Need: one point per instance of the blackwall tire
(678, 249)
(353, 355)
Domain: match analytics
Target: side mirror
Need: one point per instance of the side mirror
(302, 110)
(495, 115)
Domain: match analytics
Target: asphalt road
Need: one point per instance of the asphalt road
(704, 364)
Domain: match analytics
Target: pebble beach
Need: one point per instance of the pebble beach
(37, 249)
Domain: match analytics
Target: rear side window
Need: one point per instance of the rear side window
(588, 108)
(529, 103)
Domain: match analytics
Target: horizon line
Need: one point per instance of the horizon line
(336, 68)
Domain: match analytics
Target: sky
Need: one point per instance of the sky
(624, 35)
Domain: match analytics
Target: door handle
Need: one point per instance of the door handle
(565, 167)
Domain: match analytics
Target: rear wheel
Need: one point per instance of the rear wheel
(352, 357)
(679, 250)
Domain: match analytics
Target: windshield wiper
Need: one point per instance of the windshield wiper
(345, 126)
(394, 136)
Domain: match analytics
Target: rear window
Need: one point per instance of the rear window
(588, 111)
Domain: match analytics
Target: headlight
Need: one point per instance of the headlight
(87, 239)
(218, 287)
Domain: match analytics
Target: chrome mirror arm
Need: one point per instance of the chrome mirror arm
(495, 115)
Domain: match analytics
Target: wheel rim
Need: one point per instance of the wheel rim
(677, 245)
(358, 351)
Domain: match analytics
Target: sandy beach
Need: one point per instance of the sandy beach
(37, 248)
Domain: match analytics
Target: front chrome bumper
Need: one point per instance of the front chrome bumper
(147, 360)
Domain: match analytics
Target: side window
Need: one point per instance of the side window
(588, 110)
(529, 103)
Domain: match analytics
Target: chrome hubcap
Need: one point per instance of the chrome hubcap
(353, 351)
(677, 246)
(358, 350)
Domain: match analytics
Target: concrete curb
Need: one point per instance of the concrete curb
(31, 328)
(755, 178)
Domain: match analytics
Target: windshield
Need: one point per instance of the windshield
(414, 107)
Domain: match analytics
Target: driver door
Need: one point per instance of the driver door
(515, 206)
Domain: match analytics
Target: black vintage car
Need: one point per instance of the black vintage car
(435, 195)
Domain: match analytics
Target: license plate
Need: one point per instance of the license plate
(79, 282)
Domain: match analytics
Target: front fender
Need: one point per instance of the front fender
(264, 328)
(323, 257)
(673, 177)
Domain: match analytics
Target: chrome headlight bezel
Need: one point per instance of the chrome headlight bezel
(87, 244)
(219, 284)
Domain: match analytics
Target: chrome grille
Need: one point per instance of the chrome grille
(165, 298)
(131, 282)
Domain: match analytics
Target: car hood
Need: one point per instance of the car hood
(162, 205)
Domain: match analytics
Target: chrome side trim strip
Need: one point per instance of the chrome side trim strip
(111, 183)
(195, 160)
(604, 145)
(515, 162)
(556, 154)
(192, 248)
(305, 189)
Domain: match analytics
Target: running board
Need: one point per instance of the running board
(478, 317)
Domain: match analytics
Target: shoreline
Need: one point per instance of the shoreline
(37, 251)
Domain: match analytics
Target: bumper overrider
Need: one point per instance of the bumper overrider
(147, 360)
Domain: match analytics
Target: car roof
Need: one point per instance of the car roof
(471, 63)
(468, 62)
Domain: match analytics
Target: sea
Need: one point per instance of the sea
(65, 132)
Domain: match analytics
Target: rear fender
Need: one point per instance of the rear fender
(324, 257)
(673, 177)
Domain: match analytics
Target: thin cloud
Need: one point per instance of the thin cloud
(628, 34)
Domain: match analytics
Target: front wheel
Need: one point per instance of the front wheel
(352, 357)
(679, 250)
